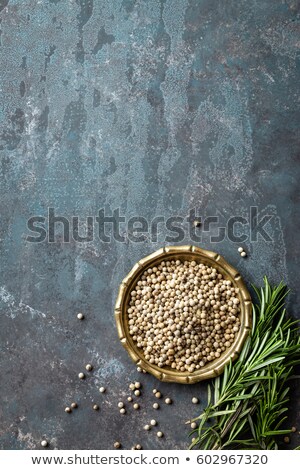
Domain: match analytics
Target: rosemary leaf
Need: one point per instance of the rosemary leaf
(248, 406)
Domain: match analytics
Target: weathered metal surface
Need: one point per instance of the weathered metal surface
(156, 108)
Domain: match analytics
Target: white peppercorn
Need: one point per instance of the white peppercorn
(155, 406)
(159, 434)
(176, 312)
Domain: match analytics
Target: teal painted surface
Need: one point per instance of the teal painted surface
(156, 108)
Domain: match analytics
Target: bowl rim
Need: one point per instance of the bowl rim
(211, 369)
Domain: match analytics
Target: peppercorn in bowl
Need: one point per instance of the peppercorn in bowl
(183, 313)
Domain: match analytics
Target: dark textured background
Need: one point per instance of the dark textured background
(155, 107)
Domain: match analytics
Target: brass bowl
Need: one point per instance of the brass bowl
(211, 369)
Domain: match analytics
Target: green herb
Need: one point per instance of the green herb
(249, 402)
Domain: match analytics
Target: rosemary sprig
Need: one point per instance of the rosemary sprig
(249, 402)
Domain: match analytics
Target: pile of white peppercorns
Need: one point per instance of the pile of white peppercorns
(183, 314)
